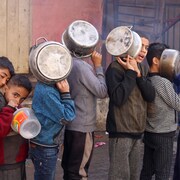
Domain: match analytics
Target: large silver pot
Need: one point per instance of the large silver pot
(122, 41)
(170, 64)
(50, 61)
(80, 38)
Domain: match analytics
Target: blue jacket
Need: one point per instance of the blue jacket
(52, 109)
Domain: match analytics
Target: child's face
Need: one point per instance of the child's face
(4, 76)
(145, 44)
(16, 94)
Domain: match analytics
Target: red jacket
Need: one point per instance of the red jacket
(13, 147)
(6, 116)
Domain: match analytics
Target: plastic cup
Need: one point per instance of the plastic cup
(25, 123)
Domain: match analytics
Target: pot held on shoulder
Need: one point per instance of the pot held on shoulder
(50, 61)
(81, 38)
(122, 41)
(170, 64)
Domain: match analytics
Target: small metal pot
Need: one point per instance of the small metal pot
(122, 41)
(170, 63)
(80, 38)
(50, 61)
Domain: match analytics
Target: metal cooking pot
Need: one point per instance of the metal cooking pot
(80, 38)
(50, 61)
(122, 41)
(170, 63)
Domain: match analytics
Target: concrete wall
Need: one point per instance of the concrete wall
(51, 17)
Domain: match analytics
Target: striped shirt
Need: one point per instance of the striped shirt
(161, 112)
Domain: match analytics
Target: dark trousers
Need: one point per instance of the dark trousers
(158, 153)
(177, 161)
(15, 171)
(78, 149)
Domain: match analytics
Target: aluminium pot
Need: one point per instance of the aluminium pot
(122, 41)
(50, 61)
(80, 38)
(170, 64)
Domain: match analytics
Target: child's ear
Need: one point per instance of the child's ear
(155, 60)
(5, 87)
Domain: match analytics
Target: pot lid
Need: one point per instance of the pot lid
(119, 40)
(83, 33)
(54, 61)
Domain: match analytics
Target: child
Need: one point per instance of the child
(129, 91)
(87, 84)
(13, 147)
(176, 175)
(6, 71)
(161, 125)
(53, 107)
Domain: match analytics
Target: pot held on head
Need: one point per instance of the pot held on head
(80, 38)
(50, 61)
(122, 41)
(170, 64)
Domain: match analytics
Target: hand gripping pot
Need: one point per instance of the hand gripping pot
(170, 64)
(50, 61)
(80, 38)
(25, 123)
(122, 41)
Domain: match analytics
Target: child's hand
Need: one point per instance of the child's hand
(96, 58)
(125, 64)
(13, 103)
(63, 86)
(129, 63)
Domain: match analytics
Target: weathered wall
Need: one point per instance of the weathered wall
(51, 17)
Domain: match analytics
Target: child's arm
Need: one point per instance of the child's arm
(6, 116)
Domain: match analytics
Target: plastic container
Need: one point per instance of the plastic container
(25, 123)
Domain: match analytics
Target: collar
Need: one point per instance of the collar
(154, 74)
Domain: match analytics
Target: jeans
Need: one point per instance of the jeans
(44, 160)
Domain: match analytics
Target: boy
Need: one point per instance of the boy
(161, 125)
(53, 107)
(6, 71)
(129, 91)
(87, 84)
(13, 147)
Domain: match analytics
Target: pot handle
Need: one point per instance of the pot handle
(130, 27)
(80, 56)
(85, 56)
(40, 39)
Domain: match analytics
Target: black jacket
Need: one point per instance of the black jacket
(128, 100)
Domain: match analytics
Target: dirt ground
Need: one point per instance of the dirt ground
(100, 161)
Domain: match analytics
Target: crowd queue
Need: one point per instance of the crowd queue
(143, 108)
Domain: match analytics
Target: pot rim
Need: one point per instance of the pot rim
(115, 30)
(34, 62)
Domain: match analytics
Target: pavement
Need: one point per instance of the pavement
(100, 160)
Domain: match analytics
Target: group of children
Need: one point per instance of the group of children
(14, 149)
(55, 109)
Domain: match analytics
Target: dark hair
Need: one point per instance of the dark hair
(20, 81)
(155, 50)
(5, 63)
(143, 35)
